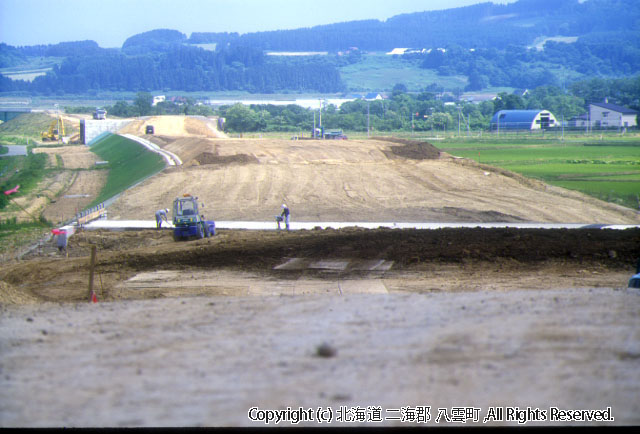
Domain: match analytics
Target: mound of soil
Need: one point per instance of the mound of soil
(411, 149)
(421, 259)
(11, 295)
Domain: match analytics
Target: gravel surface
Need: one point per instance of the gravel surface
(206, 361)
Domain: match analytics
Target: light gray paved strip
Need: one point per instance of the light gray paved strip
(249, 225)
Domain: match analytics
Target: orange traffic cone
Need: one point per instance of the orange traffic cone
(94, 297)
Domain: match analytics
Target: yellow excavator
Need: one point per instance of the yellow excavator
(55, 132)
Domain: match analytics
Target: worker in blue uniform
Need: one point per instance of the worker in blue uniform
(161, 215)
(284, 216)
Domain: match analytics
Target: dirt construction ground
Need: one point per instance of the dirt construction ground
(352, 325)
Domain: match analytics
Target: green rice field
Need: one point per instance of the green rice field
(607, 169)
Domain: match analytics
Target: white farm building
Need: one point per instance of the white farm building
(523, 120)
(605, 115)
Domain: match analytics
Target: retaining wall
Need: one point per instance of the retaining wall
(90, 129)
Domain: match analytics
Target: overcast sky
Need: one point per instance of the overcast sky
(111, 22)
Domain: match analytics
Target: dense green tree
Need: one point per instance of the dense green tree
(241, 119)
(399, 89)
(121, 109)
(477, 81)
(505, 101)
(142, 103)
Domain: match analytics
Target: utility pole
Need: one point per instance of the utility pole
(58, 121)
(368, 115)
(412, 127)
(563, 101)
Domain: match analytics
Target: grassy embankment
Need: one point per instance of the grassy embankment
(24, 129)
(129, 163)
(25, 171)
(608, 169)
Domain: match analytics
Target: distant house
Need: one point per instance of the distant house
(372, 96)
(581, 121)
(403, 51)
(157, 99)
(605, 115)
(397, 52)
(178, 100)
(523, 120)
(521, 92)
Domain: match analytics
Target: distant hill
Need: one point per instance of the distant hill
(485, 25)
(154, 40)
(487, 43)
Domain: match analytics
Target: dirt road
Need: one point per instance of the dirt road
(207, 361)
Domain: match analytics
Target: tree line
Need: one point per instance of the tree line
(181, 67)
(425, 111)
(403, 111)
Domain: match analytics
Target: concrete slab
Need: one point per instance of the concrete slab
(371, 265)
(225, 283)
(293, 264)
(341, 264)
(15, 150)
(248, 225)
(329, 264)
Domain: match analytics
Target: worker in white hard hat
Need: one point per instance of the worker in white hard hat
(284, 216)
(161, 215)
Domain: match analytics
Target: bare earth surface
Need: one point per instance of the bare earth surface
(353, 180)
(206, 361)
(197, 333)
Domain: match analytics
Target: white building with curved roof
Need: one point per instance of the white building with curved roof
(523, 120)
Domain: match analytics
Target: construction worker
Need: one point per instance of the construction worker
(62, 241)
(284, 216)
(161, 215)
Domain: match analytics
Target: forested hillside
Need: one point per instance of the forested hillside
(490, 44)
(171, 65)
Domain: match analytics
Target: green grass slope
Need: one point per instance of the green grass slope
(129, 163)
(25, 125)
